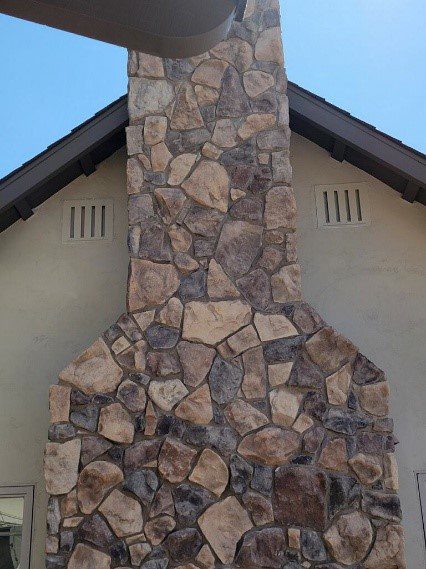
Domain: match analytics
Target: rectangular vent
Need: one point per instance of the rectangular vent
(340, 205)
(87, 220)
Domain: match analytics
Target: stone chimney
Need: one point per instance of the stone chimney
(220, 422)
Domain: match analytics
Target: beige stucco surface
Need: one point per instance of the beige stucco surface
(368, 282)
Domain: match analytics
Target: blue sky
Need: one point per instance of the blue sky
(366, 56)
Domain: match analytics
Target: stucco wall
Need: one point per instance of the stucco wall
(55, 299)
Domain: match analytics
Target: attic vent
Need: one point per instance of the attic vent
(87, 220)
(342, 205)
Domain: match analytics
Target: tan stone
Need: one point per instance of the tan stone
(196, 361)
(269, 46)
(134, 176)
(210, 472)
(225, 134)
(124, 514)
(148, 97)
(330, 350)
(235, 51)
(155, 130)
(254, 382)
(334, 456)
(180, 239)
(84, 557)
(390, 472)
(366, 467)
(286, 284)
(180, 168)
(211, 322)
(171, 202)
(349, 538)
(211, 151)
(273, 326)
(150, 66)
(171, 314)
(271, 446)
(256, 123)
(223, 525)
(197, 407)
(69, 504)
(242, 341)
(160, 157)
(59, 403)
(138, 552)
(151, 420)
(185, 263)
(244, 418)
(174, 462)
(302, 423)
(144, 319)
(72, 522)
(150, 284)
(94, 370)
(219, 285)
(338, 385)
(257, 82)
(285, 404)
(263, 158)
(61, 466)
(120, 345)
(159, 528)
(166, 394)
(116, 424)
(279, 374)
(388, 551)
(206, 96)
(374, 398)
(132, 395)
(94, 482)
(208, 185)
(210, 73)
(280, 208)
(186, 114)
(51, 545)
(236, 194)
(205, 559)
(294, 538)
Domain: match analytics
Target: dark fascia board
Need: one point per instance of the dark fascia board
(167, 28)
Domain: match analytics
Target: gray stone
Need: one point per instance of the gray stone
(382, 505)
(346, 422)
(142, 483)
(190, 502)
(53, 516)
(282, 350)
(154, 244)
(233, 101)
(92, 447)
(193, 286)
(184, 545)
(305, 374)
(225, 380)
(241, 474)
(256, 288)
(262, 479)
(247, 209)
(238, 246)
(365, 372)
(96, 531)
(204, 222)
(263, 548)
(61, 433)
(312, 546)
(161, 337)
(141, 454)
(344, 490)
(220, 438)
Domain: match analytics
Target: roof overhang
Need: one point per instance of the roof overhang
(167, 28)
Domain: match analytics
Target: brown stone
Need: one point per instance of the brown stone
(374, 398)
(280, 208)
(142, 454)
(186, 114)
(244, 417)
(160, 157)
(138, 552)
(151, 420)
(257, 82)
(180, 168)
(254, 382)
(132, 395)
(240, 342)
(94, 482)
(196, 361)
(271, 259)
(388, 551)
(158, 529)
(205, 559)
(233, 102)
(366, 467)
(133, 359)
(171, 314)
(294, 538)
(208, 185)
(85, 557)
(61, 466)
(94, 370)
(256, 123)
(273, 326)
(148, 97)
(269, 46)
(124, 514)
(286, 284)
(211, 151)
(285, 404)
(238, 246)
(211, 472)
(219, 285)
(197, 407)
(166, 394)
(329, 350)
(150, 65)
(300, 497)
(202, 221)
(334, 456)
(206, 96)
(210, 73)
(279, 374)
(211, 322)
(349, 538)
(180, 239)
(69, 505)
(225, 134)
(264, 548)
(155, 130)
(338, 385)
(144, 319)
(135, 179)
(162, 503)
(174, 462)
(270, 446)
(235, 51)
(150, 284)
(171, 202)
(59, 403)
(223, 525)
(185, 263)
(259, 507)
(116, 424)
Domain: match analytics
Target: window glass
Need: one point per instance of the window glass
(16, 508)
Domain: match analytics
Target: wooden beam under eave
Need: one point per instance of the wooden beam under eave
(410, 192)
(338, 152)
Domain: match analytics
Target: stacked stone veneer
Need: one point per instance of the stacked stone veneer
(220, 422)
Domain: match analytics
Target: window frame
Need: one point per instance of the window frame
(27, 493)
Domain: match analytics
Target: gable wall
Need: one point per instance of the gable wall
(368, 283)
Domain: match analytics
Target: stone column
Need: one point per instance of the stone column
(220, 422)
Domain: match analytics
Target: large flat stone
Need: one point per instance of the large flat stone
(349, 538)
(210, 472)
(197, 407)
(94, 482)
(329, 350)
(85, 557)
(116, 424)
(151, 284)
(61, 466)
(270, 446)
(124, 514)
(239, 245)
(174, 462)
(208, 185)
(148, 97)
(196, 361)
